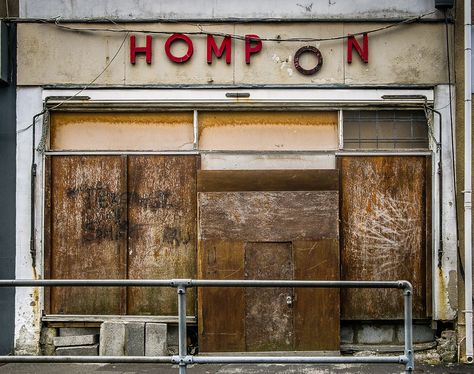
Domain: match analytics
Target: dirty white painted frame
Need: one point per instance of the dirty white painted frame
(30, 101)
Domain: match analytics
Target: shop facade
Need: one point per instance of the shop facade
(212, 148)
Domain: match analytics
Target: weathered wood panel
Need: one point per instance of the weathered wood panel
(317, 311)
(268, 317)
(88, 231)
(267, 180)
(384, 233)
(221, 318)
(162, 229)
(47, 231)
(269, 216)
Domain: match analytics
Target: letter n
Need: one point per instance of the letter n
(353, 43)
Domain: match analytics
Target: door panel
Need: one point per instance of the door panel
(88, 231)
(384, 205)
(162, 230)
(317, 309)
(221, 310)
(268, 317)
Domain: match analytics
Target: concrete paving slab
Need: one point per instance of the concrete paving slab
(228, 369)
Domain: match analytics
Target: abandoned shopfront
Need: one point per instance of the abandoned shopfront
(325, 174)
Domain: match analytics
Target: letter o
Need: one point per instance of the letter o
(308, 49)
(184, 38)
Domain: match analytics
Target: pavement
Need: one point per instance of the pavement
(229, 369)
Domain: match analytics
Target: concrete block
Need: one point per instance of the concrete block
(66, 341)
(47, 341)
(155, 339)
(421, 334)
(85, 350)
(75, 331)
(135, 339)
(172, 337)
(347, 334)
(112, 338)
(447, 346)
(376, 334)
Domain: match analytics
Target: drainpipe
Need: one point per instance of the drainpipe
(467, 180)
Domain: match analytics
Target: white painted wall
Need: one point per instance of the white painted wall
(226, 9)
(27, 300)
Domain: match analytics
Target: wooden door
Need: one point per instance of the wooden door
(385, 225)
(269, 312)
(290, 232)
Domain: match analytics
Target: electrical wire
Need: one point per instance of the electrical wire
(35, 117)
(56, 22)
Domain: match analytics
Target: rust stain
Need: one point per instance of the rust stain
(138, 118)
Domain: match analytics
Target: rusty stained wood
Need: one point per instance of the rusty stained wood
(317, 311)
(268, 317)
(47, 231)
(88, 231)
(384, 233)
(162, 230)
(267, 180)
(221, 311)
(268, 216)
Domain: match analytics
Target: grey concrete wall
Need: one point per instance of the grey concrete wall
(227, 9)
(7, 201)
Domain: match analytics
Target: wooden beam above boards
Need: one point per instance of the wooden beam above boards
(267, 180)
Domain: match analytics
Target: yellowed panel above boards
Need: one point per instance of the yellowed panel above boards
(277, 131)
(122, 131)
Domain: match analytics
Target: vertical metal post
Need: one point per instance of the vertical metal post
(182, 328)
(407, 294)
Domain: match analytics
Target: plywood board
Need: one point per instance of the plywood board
(267, 180)
(384, 233)
(268, 317)
(162, 230)
(221, 319)
(317, 311)
(269, 216)
(88, 231)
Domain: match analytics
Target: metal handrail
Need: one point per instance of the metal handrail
(183, 359)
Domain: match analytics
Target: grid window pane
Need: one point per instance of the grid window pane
(385, 129)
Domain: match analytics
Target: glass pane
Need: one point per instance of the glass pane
(385, 129)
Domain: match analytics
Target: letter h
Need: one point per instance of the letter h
(134, 50)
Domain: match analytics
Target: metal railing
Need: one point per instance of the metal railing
(183, 359)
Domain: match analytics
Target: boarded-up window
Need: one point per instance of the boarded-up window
(385, 229)
(120, 217)
(268, 131)
(385, 129)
